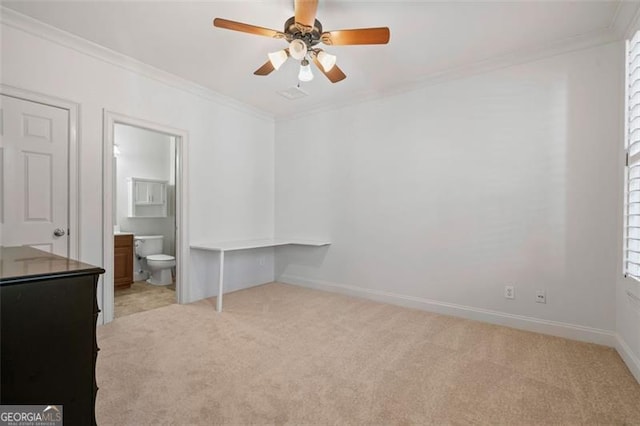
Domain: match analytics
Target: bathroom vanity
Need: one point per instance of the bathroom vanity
(48, 314)
(122, 260)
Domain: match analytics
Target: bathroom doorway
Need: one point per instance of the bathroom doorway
(144, 248)
(144, 219)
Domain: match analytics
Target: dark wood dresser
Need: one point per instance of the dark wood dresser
(48, 348)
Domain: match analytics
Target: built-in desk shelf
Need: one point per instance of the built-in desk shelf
(223, 246)
(254, 244)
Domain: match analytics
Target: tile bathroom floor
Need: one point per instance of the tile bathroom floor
(142, 296)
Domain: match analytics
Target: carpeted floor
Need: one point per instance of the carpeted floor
(142, 296)
(283, 354)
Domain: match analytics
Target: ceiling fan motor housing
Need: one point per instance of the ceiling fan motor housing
(303, 38)
(295, 31)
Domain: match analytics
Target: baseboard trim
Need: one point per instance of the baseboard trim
(537, 325)
(629, 358)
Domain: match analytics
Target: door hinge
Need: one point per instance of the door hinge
(626, 159)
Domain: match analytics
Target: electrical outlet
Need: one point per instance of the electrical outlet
(509, 292)
(541, 296)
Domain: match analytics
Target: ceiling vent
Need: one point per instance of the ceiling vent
(293, 93)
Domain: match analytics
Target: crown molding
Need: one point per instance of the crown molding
(626, 20)
(633, 26)
(518, 57)
(19, 21)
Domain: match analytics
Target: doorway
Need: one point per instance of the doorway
(144, 240)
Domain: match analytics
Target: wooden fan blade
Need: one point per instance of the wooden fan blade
(335, 74)
(265, 69)
(305, 12)
(246, 28)
(378, 35)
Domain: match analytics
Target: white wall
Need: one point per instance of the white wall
(444, 195)
(148, 155)
(230, 148)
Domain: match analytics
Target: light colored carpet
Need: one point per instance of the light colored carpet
(142, 296)
(283, 354)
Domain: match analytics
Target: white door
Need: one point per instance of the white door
(34, 142)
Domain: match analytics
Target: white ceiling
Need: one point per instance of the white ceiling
(427, 38)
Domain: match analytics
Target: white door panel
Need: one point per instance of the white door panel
(35, 143)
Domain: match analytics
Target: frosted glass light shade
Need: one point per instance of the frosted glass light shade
(297, 49)
(305, 73)
(278, 58)
(326, 60)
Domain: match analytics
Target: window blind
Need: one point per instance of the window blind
(632, 186)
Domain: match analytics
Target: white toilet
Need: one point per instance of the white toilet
(159, 265)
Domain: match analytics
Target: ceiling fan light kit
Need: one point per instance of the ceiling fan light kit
(297, 49)
(278, 58)
(303, 32)
(327, 60)
(305, 73)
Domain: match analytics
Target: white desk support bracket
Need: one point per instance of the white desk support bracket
(220, 282)
(222, 247)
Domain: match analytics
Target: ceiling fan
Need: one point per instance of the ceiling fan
(303, 32)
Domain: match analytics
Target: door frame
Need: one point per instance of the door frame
(73, 183)
(110, 119)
